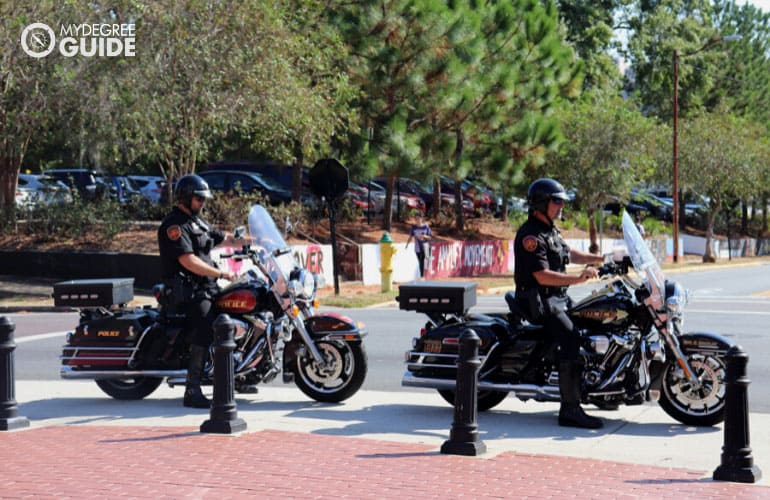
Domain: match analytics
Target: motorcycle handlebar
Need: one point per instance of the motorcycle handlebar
(609, 268)
(615, 268)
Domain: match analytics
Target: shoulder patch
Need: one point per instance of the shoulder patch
(529, 243)
(174, 232)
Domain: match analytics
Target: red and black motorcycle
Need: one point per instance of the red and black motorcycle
(130, 351)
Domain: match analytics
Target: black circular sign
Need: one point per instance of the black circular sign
(329, 178)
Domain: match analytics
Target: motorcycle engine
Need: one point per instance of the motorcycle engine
(607, 352)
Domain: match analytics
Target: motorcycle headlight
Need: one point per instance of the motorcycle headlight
(676, 298)
(303, 284)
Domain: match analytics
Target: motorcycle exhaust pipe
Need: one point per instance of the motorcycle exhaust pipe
(526, 391)
(68, 373)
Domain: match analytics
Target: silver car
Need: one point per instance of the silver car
(34, 189)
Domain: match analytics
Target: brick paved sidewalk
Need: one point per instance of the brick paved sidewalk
(87, 462)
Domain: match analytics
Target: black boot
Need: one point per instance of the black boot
(193, 397)
(570, 413)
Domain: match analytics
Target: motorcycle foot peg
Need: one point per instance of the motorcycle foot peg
(288, 377)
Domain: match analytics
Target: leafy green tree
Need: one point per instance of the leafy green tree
(742, 80)
(443, 82)
(608, 150)
(530, 70)
(590, 26)
(390, 43)
(716, 163)
(208, 71)
(659, 29)
(28, 87)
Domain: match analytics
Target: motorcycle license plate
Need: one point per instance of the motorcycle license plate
(432, 346)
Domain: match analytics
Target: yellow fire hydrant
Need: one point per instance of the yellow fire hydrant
(387, 251)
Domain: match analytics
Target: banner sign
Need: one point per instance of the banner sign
(467, 258)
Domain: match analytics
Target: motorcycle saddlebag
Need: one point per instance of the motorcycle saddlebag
(107, 341)
(123, 329)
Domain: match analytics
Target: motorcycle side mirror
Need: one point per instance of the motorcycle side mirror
(626, 264)
(239, 232)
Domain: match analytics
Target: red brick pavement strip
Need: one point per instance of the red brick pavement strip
(89, 462)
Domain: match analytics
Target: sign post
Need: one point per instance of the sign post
(329, 180)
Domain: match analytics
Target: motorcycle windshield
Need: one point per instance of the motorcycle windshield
(263, 230)
(276, 263)
(644, 262)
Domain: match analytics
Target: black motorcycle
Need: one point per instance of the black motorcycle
(633, 348)
(130, 351)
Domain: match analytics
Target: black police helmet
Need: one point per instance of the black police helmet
(188, 186)
(542, 191)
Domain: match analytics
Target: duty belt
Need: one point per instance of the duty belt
(553, 291)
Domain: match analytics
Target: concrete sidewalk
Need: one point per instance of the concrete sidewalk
(83, 444)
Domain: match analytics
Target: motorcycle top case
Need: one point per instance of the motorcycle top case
(93, 293)
(437, 296)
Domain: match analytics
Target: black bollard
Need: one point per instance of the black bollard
(464, 435)
(9, 418)
(223, 418)
(737, 463)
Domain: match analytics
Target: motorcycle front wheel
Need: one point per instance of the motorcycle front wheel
(340, 378)
(129, 389)
(702, 406)
(486, 400)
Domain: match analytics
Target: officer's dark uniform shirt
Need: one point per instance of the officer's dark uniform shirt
(181, 234)
(538, 247)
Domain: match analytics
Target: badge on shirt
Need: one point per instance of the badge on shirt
(529, 243)
(174, 233)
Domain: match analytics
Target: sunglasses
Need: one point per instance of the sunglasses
(557, 201)
(199, 199)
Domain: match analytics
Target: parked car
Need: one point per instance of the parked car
(82, 179)
(642, 203)
(280, 174)
(34, 189)
(122, 189)
(150, 186)
(407, 200)
(228, 181)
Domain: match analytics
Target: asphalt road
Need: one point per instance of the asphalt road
(732, 302)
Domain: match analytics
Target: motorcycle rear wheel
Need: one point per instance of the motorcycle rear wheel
(486, 400)
(340, 379)
(702, 407)
(129, 389)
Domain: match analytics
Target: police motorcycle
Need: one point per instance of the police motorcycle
(633, 347)
(130, 351)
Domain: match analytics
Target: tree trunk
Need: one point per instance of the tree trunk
(592, 234)
(504, 207)
(459, 215)
(9, 173)
(296, 173)
(436, 197)
(708, 255)
(459, 146)
(744, 217)
(387, 215)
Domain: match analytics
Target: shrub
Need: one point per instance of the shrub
(98, 220)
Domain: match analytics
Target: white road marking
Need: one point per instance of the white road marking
(41, 336)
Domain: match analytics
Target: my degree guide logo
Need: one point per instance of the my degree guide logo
(87, 40)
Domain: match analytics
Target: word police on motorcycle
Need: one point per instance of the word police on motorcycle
(88, 40)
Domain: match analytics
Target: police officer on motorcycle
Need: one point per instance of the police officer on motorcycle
(541, 256)
(185, 241)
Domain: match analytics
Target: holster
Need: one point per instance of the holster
(531, 303)
(179, 291)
